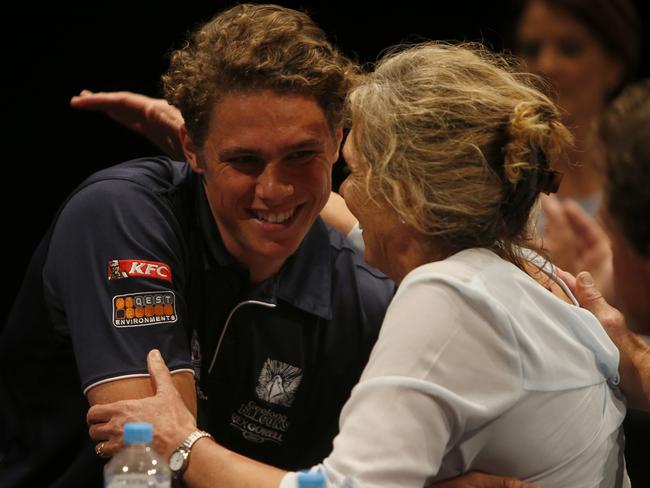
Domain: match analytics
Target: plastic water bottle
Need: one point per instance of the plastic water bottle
(137, 465)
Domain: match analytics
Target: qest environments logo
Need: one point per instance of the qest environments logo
(140, 309)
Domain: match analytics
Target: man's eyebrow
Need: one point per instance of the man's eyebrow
(306, 144)
(235, 151)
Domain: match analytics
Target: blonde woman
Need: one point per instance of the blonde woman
(484, 361)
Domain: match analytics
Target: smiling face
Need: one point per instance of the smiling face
(266, 164)
(555, 45)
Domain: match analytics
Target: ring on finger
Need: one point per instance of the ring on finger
(99, 449)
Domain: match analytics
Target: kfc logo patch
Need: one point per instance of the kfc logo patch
(150, 308)
(124, 268)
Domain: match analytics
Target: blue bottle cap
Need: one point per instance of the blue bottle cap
(311, 479)
(138, 433)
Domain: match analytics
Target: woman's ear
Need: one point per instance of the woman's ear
(339, 139)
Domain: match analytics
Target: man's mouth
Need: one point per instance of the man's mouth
(274, 217)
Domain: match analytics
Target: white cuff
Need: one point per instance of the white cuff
(355, 236)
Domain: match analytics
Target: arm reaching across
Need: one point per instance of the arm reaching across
(476, 479)
(336, 214)
(153, 118)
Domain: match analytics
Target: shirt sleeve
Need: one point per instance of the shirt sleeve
(355, 236)
(114, 281)
(446, 363)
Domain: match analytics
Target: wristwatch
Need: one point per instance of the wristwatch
(179, 458)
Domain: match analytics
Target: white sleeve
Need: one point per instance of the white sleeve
(355, 236)
(446, 362)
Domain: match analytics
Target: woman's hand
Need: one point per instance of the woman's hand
(153, 118)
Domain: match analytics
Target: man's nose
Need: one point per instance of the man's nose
(273, 185)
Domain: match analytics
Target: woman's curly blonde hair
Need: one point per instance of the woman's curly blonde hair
(457, 142)
(255, 47)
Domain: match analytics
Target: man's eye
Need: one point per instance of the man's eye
(243, 160)
(571, 48)
(246, 163)
(301, 156)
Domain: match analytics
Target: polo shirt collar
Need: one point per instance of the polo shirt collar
(305, 278)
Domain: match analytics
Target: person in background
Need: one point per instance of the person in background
(623, 130)
(449, 151)
(588, 50)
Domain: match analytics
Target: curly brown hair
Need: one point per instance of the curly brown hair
(624, 129)
(255, 47)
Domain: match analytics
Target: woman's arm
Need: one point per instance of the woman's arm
(153, 118)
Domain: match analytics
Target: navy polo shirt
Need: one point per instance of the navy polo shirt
(134, 261)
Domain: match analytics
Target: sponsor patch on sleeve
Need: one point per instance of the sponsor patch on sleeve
(124, 268)
(140, 309)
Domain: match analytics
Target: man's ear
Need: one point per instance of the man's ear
(339, 139)
(191, 151)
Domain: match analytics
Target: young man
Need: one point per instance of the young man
(222, 264)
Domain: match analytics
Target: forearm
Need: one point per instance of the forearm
(211, 465)
(635, 370)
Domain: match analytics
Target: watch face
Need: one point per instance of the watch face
(176, 460)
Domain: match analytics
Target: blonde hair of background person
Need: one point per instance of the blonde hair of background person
(473, 404)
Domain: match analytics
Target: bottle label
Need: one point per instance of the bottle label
(135, 480)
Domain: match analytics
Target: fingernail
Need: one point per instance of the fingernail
(155, 354)
(585, 279)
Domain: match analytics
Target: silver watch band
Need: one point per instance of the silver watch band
(193, 437)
